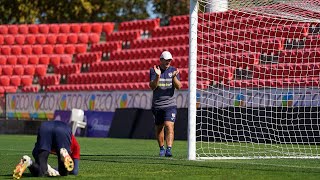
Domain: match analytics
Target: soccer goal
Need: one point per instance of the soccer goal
(254, 73)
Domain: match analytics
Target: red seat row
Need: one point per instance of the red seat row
(279, 83)
(109, 77)
(242, 60)
(140, 24)
(148, 52)
(57, 28)
(47, 80)
(305, 55)
(99, 87)
(160, 42)
(271, 45)
(25, 80)
(124, 35)
(43, 49)
(107, 46)
(170, 31)
(30, 88)
(65, 69)
(30, 39)
(9, 70)
(286, 70)
(88, 57)
(35, 59)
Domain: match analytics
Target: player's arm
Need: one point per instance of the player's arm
(176, 79)
(154, 77)
(75, 148)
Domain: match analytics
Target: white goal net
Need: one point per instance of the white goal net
(260, 63)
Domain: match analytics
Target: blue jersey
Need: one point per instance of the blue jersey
(163, 95)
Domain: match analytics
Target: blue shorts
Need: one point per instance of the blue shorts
(53, 135)
(166, 114)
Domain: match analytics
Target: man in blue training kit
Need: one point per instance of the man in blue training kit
(53, 137)
(164, 79)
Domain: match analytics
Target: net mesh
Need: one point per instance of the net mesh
(260, 63)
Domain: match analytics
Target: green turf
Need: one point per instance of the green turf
(138, 159)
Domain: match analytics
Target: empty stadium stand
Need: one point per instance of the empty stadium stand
(94, 56)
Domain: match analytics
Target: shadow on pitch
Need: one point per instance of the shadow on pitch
(182, 162)
(9, 176)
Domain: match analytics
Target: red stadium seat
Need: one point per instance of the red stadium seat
(41, 70)
(64, 28)
(18, 70)
(48, 49)
(9, 39)
(23, 29)
(16, 50)
(107, 28)
(69, 48)
(66, 59)
(13, 29)
(5, 50)
(33, 59)
(30, 39)
(83, 38)
(94, 38)
(26, 80)
(72, 38)
(29, 70)
(20, 39)
(1, 40)
(33, 29)
(4, 80)
(51, 38)
(3, 60)
(75, 28)
(12, 60)
(7, 70)
(40, 39)
(81, 48)
(22, 60)
(54, 28)
(96, 28)
(44, 59)
(62, 39)
(55, 60)
(44, 28)
(15, 80)
(58, 49)
(37, 49)
(4, 29)
(85, 27)
(26, 49)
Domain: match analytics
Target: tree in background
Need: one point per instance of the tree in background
(166, 8)
(57, 11)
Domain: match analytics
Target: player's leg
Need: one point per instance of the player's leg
(159, 129)
(43, 163)
(65, 162)
(169, 137)
(170, 117)
(160, 138)
(24, 163)
(62, 140)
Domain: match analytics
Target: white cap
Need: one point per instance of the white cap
(166, 55)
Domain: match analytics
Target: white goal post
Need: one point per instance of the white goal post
(254, 79)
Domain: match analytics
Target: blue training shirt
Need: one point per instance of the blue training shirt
(163, 95)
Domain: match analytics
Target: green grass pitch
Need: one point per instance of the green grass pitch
(106, 158)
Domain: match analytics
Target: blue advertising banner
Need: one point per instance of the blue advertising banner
(98, 123)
